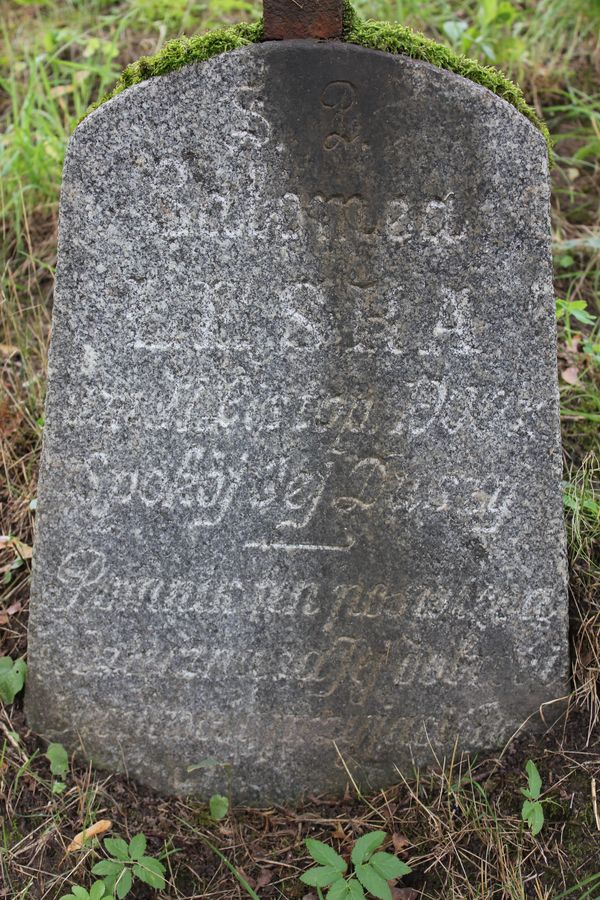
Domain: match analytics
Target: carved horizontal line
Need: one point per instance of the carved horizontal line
(330, 548)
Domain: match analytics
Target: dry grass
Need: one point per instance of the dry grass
(458, 825)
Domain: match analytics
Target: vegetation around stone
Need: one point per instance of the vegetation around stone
(459, 827)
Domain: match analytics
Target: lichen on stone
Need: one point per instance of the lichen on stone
(385, 36)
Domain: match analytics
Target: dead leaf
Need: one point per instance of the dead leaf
(572, 346)
(10, 417)
(570, 375)
(8, 349)
(400, 842)
(14, 608)
(404, 894)
(23, 550)
(61, 89)
(95, 829)
(309, 897)
(3, 618)
(264, 878)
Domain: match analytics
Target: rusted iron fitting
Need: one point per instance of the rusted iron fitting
(285, 19)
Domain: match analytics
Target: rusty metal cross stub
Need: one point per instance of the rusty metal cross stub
(284, 19)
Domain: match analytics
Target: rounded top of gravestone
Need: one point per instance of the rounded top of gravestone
(424, 91)
(386, 37)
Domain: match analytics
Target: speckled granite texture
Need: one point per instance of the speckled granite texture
(301, 473)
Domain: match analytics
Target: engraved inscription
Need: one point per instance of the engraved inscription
(340, 97)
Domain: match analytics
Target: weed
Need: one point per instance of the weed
(565, 309)
(126, 862)
(218, 806)
(372, 870)
(59, 765)
(96, 892)
(12, 678)
(492, 33)
(591, 885)
(241, 880)
(532, 812)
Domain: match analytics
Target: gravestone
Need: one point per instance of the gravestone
(301, 476)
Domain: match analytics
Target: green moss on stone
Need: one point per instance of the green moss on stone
(182, 51)
(391, 38)
(384, 36)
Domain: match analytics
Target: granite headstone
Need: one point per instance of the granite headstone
(301, 469)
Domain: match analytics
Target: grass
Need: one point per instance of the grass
(459, 825)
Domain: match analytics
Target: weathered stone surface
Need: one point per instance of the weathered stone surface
(301, 465)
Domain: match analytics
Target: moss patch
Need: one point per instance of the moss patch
(385, 36)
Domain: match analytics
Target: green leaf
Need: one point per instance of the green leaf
(137, 846)
(97, 891)
(117, 847)
(584, 317)
(321, 876)
(355, 891)
(389, 866)
(219, 807)
(109, 885)
(80, 892)
(489, 11)
(58, 787)
(536, 819)
(366, 845)
(373, 882)
(150, 871)
(526, 811)
(454, 30)
(325, 855)
(124, 882)
(58, 759)
(534, 780)
(338, 890)
(506, 13)
(12, 678)
(107, 867)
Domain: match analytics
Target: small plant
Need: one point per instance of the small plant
(218, 805)
(492, 32)
(12, 677)
(533, 811)
(372, 871)
(59, 765)
(128, 861)
(576, 308)
(96, 892)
